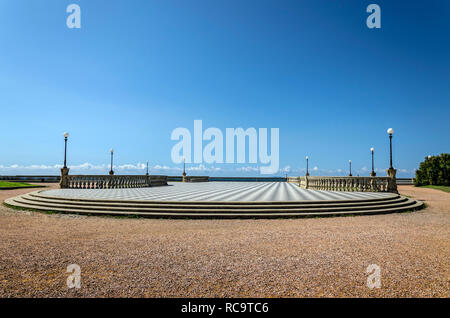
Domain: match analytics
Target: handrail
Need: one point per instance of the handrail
(359, 184)
(195, 179)
(111, 181)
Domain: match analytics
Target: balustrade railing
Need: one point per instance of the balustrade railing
(293, 179)
(111, 181)
(359, 184)
(195, 179)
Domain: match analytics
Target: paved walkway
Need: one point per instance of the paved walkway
(324, 257)
(5, 194)
(216, 191)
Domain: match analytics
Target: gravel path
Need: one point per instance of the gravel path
(325, 257)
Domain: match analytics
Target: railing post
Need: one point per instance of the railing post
(392, 183)
(63, 183)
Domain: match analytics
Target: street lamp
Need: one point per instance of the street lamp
(147, 169)
(307, 166)
(390, 131)
(350, 163)
(63, 183)
(391, 172)
(111, 172)
(183, 178)
(66, 135)
(372, 174)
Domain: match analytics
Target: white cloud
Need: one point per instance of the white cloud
(166, 168)
(286, 169)
(247, 169)
(30, 167)
(202, 167)
(139, 168)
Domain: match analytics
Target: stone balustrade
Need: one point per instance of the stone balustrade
(195, 179)
(111, 181)
(293, 179)
(359, 184)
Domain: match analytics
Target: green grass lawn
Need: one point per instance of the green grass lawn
(442, 188)
(7, 184)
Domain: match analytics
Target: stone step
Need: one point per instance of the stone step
(190, 208)
(412, 205)
(211, 205)
(37, 194)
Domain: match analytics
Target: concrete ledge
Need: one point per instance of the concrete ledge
(27, 187)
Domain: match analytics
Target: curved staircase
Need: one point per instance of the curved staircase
(215, 209)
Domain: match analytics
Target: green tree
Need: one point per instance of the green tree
(434, 170)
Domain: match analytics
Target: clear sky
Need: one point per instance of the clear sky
(136, 70)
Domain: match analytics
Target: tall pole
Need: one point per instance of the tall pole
(390, 150)
(391, 172)
(183, 178)
(65, 151)
(373, 169)
(372, 174)
(63, 183)
(111, 172)
(350, 162)
(147, 168)
(307, 166)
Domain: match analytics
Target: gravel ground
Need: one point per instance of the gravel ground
(321, 257)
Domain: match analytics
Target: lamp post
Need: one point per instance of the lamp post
(63, 183)
(391, 172)
(372, 174)
(111, 172)
(147, 169)
(66, 135)
(350, 163)
(390, 131)
(307, 166)
(183, 178)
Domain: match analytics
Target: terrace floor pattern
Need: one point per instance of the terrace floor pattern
(216, 191)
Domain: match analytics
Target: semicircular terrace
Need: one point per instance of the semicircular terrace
(215, 200)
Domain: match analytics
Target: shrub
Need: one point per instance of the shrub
(434, 170)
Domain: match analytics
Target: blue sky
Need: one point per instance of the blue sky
(136, 70)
